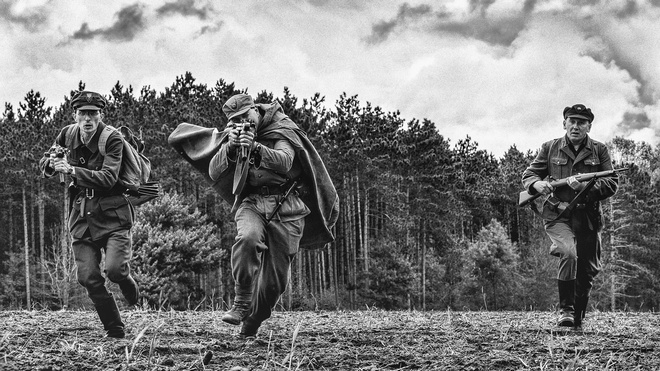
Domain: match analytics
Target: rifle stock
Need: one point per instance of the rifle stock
(525, 198)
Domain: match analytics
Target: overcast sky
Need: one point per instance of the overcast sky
(500, 71)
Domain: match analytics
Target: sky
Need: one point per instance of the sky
(498, 71)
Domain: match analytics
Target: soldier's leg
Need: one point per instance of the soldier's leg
(283, 241)
(118, 254)
(88, 262)
(589, 264)
(564, 246)
(245, 260)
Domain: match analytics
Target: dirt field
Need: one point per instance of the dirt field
(365, 340)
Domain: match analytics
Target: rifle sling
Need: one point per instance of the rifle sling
(574, 202)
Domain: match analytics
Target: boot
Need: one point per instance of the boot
(109, 315)
(583, 286)
(581, 301)
(130, 290)
(566, 303)
(250, 328)
(239, 311)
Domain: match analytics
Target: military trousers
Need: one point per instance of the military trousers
(577, 244)
(262, 253)
(88, 255)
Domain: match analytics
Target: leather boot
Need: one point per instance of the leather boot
(109, 315)
(250, 328)
(581, 301)
(130, 290)
(566, 303)
(240, 310)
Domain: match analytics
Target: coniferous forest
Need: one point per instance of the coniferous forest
(424, 223)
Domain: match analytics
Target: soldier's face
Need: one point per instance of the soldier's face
(88, 120)
(251, 115)
(576, 129)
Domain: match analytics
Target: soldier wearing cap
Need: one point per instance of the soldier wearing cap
(573, 231)
(268, 188)
(100, 216)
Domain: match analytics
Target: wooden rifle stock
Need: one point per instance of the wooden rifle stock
(525, 198)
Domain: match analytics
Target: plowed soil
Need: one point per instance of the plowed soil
(360, 340)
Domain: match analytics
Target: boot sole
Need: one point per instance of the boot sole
(231, 321)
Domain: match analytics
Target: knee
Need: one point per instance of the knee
(564, 251)
(246, 241)
(116, 273)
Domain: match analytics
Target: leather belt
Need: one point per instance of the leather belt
(91, 193)
(273, 190)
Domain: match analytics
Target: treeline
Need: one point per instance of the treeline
(424, 223)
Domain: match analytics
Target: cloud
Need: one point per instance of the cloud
(184, 7)
(130, 21)
(382, 30)
(30, 18)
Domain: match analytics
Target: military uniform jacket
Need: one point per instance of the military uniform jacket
(556, 160)
(199, 145)
(98, 203)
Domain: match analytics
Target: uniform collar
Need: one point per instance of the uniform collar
(93, 144)
(584, 153)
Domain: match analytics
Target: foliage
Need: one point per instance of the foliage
(491, 261)
(416, 209)
(172, 244)
(391, 278)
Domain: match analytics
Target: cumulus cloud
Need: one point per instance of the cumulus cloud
(30, 18)
(130, 21)
(185, 8)
(617, 36)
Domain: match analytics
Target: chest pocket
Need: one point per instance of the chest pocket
(559, 161)
(592, 161)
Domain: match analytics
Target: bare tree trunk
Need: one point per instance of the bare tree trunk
(358, 224)
(42, 232)
(423, 266)
(613, 248)
(365, 237)
(66, 244)
(28, 299)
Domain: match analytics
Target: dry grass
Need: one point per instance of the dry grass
(365, 340)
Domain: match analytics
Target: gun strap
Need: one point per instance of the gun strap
(576, 198)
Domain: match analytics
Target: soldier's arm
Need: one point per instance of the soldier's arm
(537, 170)
(279, 158)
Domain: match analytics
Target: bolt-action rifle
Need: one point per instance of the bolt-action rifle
(525, 198)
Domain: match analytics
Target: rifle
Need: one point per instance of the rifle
(525, 198)
(282, 199)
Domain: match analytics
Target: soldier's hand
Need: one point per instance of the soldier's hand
(574, 183)
(233, 138)
(60, 165)
(543, 187)
(245, 139)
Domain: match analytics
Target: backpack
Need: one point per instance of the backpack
(135, 166)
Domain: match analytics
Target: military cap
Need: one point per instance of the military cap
(579, 111)
(237, 105)
(88, 100)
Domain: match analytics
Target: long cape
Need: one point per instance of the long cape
(197, 145)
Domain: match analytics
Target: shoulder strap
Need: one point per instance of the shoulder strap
(68, 135)
(103, 138)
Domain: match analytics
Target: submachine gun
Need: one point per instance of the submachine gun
(57, 151)
(243, 163)
(525, 198)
